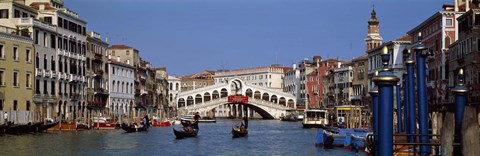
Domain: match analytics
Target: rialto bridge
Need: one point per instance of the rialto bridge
(268, 103)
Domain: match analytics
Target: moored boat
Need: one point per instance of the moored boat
(48, 125)
(18, 128)
(315, 118)
(289, 117)
(35, 126)
(103, 123)
(3, 129)
(130, 129)
(203, 119)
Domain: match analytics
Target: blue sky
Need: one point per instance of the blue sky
(189, 36)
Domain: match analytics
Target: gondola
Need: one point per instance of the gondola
(183, 134)
(3, 129)
(18, 128)
(130, 129)
(239, 131)
(48, 125)
(34, 127)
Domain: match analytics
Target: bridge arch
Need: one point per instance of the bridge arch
(274, 99)
(206, 97)
(198, 99)
(249, 93)
(189, 100)
(215, 95)
(181, 102)
(257, 95)
(223, 93)
(265, 97)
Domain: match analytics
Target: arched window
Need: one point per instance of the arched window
(113, 86)
(37, 61)
(118, 86)
(126, 88)
(123, 87)
(45, 61)
(176, 86)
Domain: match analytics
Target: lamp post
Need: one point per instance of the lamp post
(421, 55)
(385, 82)
(460, 92)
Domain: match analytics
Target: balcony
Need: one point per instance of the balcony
(62, 76)
(54, 74)
(98, 72)
(48, 73)
(142, 77)
(34, 22)
(70, 77)
(74, 96)
(143, 92)
(39, 72)
(356, 97)
(13, 31)
(96, 103)
(98, 57)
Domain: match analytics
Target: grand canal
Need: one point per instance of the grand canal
(266, 137)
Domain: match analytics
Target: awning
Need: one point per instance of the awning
(148, 108)
(96, 107)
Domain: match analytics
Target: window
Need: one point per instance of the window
(15, 78)
(37, 86)
(28, 105)
(24, 14)
(28, 58)
(1, 104)
(2, 53)
(2, 83)
(15, 103)
(45, 91)
(128, 52)
(53, 63)
(28, 81)
(448, 22)
(45, 61)
(16, 13)
(52, 88)
(48, 20)
(45, 39)
(52, 41)
(36, 37)
(60, 22)
(15, 53)
(113, 52)
(3, 13)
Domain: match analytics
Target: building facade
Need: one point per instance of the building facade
(97, 71)
(270, 76)
(199, 80)
(360, 81)
(16, 76)
(121, 88)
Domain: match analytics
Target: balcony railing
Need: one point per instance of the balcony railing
(75, 96)
(13, 31)
(62, 75)
(54, 74)
(47, 73)
(37, 23)
(39, 72)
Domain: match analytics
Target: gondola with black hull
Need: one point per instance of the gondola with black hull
(130, 129)
(187, 131)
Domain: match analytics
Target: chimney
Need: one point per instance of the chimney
(118, 59)
(42, 7)
(294, 66)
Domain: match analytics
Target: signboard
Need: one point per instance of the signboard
(237, 98)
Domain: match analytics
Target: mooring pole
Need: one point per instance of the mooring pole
(385, 82)
(460, 92)
(421, 55)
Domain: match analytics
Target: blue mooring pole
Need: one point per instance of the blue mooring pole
(385, 82)
(411, 99)
(399, 110)
(405, 106)
(374, 94)
(460, 92)
(421, 54)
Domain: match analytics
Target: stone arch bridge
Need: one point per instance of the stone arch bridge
(268, 103)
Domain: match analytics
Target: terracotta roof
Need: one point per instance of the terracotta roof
(119, 46)
(36, 6)
(404, 38)
(363, 57)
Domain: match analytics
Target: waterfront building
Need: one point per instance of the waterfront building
(71, 55)
(343, 77)
(41, 32)
(330, 99)
(198, 80)
(173, 90)
(161, 90)
(360, 81)
(269, 76)
(438, 32)
(465, 54)
(16, 75)
(97, 72)
(121, 88)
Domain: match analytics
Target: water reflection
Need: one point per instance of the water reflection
(266, 137)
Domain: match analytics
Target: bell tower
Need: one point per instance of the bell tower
(373, 38)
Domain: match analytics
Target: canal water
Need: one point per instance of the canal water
(266, 137)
